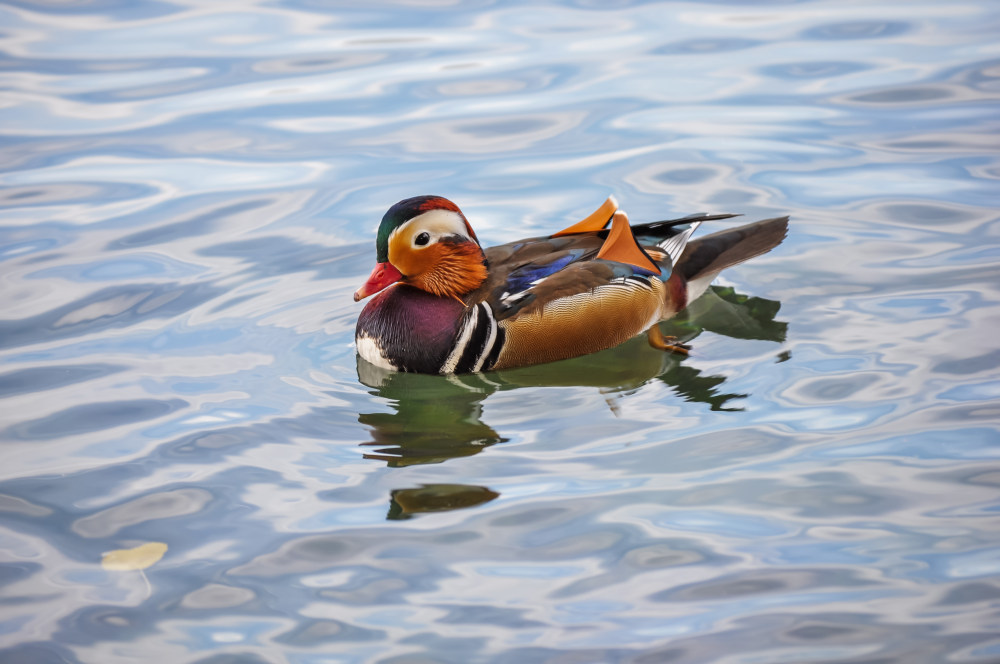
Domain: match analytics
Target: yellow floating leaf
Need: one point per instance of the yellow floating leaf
(141, 557)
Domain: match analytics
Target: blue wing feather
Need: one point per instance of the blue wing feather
(523, 277)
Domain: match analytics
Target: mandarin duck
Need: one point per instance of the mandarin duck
(442, 304)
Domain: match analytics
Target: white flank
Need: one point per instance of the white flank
(696, 287)
(369, 349)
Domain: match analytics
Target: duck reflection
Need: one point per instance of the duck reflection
(436, 418)
(404, 503)
(723, 311)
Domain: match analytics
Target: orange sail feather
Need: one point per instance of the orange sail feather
(597, 220)
(622, 247)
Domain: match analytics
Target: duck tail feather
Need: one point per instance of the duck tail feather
(707, 256)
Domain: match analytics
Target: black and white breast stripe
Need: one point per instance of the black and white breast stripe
(477, 344)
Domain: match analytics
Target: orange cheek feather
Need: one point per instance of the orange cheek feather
(444, 269)
(411, 262)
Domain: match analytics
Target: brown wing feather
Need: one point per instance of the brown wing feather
(506, 257)
(582, 276)
(582, 308)
(573, 279)
(576, 277)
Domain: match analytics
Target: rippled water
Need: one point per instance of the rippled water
(190, 193)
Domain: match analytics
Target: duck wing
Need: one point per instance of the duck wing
(527, 275)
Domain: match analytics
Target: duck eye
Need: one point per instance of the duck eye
(422, 239)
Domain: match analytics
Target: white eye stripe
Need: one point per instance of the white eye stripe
(436, 223)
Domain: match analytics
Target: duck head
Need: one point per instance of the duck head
(426, 242)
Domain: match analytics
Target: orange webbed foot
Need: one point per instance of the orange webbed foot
(660, 341)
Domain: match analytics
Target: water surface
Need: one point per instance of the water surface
(189, 198)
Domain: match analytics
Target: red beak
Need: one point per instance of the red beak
(384, 274)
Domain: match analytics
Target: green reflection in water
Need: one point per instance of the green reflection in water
(433, 418)
(404, 503)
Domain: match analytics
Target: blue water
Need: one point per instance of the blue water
(190, 193)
